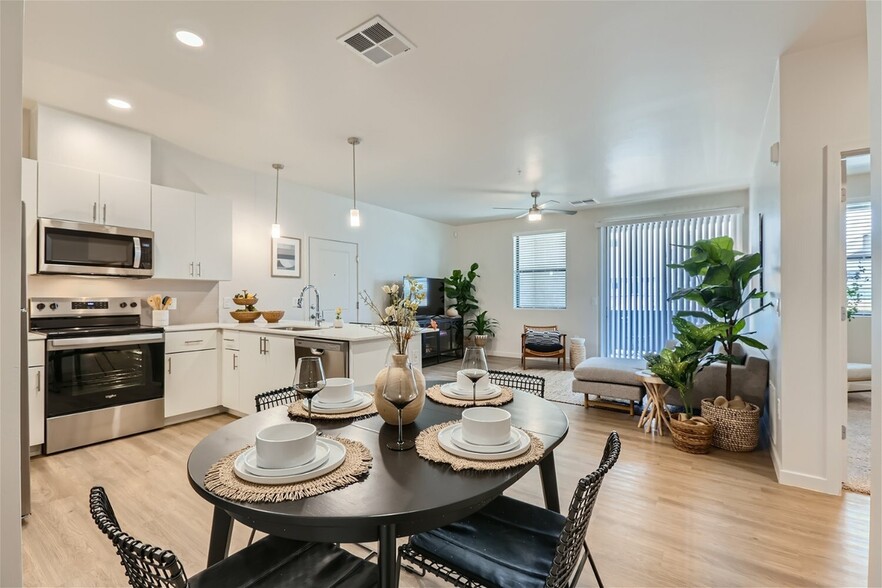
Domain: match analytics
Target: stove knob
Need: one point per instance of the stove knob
(133, 304)
(122, 304)
(40, 306)
(53, 306)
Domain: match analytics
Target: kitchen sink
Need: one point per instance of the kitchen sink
(296, 328)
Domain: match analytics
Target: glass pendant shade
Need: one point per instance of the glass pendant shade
(354, 218)
(276, 231)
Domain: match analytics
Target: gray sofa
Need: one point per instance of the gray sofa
(614, 379)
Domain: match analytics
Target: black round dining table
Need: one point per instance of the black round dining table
(403, 494)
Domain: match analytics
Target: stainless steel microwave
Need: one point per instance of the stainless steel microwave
(67, 247)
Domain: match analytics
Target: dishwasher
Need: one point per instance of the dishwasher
(334, 354)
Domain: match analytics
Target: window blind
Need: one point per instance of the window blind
(635, 312)
(858, 227)
(540, 270)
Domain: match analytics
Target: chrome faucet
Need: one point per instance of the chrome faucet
(317, 312)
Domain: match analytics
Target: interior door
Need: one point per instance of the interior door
(333, 269)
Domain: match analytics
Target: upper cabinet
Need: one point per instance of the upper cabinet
(192, 235)
(29, 197)
(75, 194)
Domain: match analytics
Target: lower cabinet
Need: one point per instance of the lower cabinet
(190, 381)
(36, 406)
(266, 362)
(230, 380)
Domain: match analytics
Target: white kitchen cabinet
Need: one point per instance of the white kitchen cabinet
(191, 372)
(266, 362)
(36, 394)
(29, 197)
(74, 194)
(193, 235)
(67, 193)
(124, 202)
(230, 381)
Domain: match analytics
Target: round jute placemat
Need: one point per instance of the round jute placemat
(436, 395)
(427, 447)
(223, 481)
(296, 412)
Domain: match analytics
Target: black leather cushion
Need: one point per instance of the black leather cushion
(540, 348)
(273, 561)
(507, 543)
(543, 341)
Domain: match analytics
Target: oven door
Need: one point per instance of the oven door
(67, 247)
(89, 373)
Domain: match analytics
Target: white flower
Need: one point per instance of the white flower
(394, 288)
(390, 311)
(387, 289)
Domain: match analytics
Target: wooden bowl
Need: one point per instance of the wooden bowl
(242, 301)
(245, 316)
(272, 316)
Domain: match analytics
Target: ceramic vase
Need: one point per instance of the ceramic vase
(399, 373)
(452, 312)
(338, 323)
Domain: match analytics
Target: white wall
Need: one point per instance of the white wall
(859, 339)
(490, 244)
(874, 45)
(765, 199)
(823, 103)
(10, 292)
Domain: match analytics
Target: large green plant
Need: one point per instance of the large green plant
(482, 325)
(677, 367)
(460, 287)
(723, 291)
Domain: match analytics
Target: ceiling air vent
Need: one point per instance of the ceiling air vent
(377, 41)
(586, 202)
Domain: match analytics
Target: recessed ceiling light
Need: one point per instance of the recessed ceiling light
(189, 39)
(119, 103)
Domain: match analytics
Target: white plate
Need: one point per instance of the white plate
(513, 441)
(321, 456)
(355, 400)
(336, 455)
(364, 402)
(451, 390)
(446, 443)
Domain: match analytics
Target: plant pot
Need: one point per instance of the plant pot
(452, 312)
(399, 373)
(692, 436)
(481, 340)
(338, 323)
(735, 429)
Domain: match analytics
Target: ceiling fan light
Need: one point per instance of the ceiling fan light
(535, 215)
(354, 218)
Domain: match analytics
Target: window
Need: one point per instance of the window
(858, 226)
(636, 281)
(540, 270)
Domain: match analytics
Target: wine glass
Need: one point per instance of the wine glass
(309, 379)
(400, 392)
(474, 367)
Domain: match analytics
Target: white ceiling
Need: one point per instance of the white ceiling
(609, 100)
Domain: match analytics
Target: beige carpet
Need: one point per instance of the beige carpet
(858, 443)
(558, 384)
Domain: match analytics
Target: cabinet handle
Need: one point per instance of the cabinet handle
(104, 214)
(266, 344)
(94, 212)
(191, 268)
(235, 362)
(194, 341)
(199, 269)
(169, 365)
(39, 379)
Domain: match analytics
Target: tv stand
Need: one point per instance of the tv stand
(445, 344)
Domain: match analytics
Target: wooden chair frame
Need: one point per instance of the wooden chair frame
(559, 355)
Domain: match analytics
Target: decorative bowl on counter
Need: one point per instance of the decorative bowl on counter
(272, 316)
(245, 316)
(242, 301)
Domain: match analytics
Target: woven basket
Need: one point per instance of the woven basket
(691, 438)
(734, 430)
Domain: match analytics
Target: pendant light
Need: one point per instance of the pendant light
(276, 230)
(354, 218)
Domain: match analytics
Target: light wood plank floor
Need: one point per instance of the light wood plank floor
(664, 518)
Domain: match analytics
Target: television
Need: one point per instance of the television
(434, 288)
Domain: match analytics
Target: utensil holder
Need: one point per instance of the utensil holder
(159, 318)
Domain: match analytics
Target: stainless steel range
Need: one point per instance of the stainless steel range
(104, 371)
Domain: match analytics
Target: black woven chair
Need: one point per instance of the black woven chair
(272, 561)
(513, 543)
(526, 382)
(273, 398)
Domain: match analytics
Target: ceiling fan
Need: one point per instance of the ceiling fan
(534, 213)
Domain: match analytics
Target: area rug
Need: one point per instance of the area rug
(858, 443)
(558, 385)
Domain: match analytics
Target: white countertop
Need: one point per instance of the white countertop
(303, 329)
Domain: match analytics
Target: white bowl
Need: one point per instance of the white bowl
(463, 383)
(285, 446)
(485, 425)
(337, 390)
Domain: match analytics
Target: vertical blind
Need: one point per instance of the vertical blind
(858, 226)
(540, 270)
(635, 312)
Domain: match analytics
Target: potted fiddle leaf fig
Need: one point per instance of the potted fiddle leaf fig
(481, 328)
(460, 287)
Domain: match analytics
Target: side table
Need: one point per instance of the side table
(655, 411)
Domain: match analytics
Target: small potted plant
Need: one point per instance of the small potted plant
(481, 328)
(338, 318)
(677, 368)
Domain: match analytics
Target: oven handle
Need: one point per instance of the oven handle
(119, 341)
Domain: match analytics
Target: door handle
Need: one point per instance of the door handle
(191, 268)
(235, 363)
(169, 365)
(262, 351)
(199, 269)
(266, 345)
(39, 379)
(104, 214)
(94, 212)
